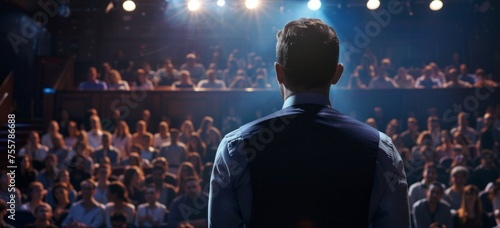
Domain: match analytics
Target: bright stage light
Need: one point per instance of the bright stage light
(221, 3)
(314, 4)
(251, 4)
(436, 5)
(194, 5)
(373, 4)
(129, 5)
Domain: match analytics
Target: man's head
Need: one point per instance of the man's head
(151, 193)
(185, 76)
(106, 139)
(463, 69)
(459, 176)
(430, 173)
(92, 74)
(487, 159)
(42, 212)
(434, 192)
(158, 174)
(453, 74)
(462, 119)
(174, 134)
(192, 186)
(211, 75)
(412, 124)
(88, 188)
(307, 54)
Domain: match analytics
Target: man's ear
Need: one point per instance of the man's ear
(280, 73)
(338, 74)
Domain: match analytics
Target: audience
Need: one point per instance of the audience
(196, 70)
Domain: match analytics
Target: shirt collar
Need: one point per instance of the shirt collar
(306, 98)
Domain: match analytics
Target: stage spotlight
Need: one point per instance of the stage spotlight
(314, 4)
(221, 3)
(251, 4)
(129, 5)
(436, 5)
(373, 4)
(194, 5)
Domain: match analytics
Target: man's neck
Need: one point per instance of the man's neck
(288, 93)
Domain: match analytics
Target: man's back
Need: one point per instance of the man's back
(318, 169)
(304, 164)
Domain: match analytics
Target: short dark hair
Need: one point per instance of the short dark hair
(308, 50)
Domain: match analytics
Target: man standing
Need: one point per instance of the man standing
(307, 165)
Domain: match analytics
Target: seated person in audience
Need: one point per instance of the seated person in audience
(193, 200)
(168, 74)
(33, 148)
(486, 172)
(426, 81)
(48, 175)
(116, 83)
(3, 212)
(464, 128)
(73, 134)
(167, 191)
(78, 173)
(122, 139)
(151, 213)
(404, 80)
(43, 216)
(135, 158)
(62, 179)
(95, 133)
(27, 173)
(36, 193)
(445, 150)
(211, 81)
(163, 135)
(417, 190)
(187, 129)
(52, 131)
(175, 152)
(196, 70)
(431, 211)
(5, 194)
(103, 174)
(471, 213)
(186, 169)
(133, 179)
(81, 152)
(170, 178)
(483, 81)
(465, 76)
(92, 83)
(118, 202)
(86, 212)
(140, 131)
(62, 203)
(148, 152)
(409, 137)
(106, 150)
(119, 220)
(150, 73)
(434, 129)
(184, 81)
(141, 81)
(454, 81)
(60, 150)
(458, 179)
(382, 81)
(437, 73)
